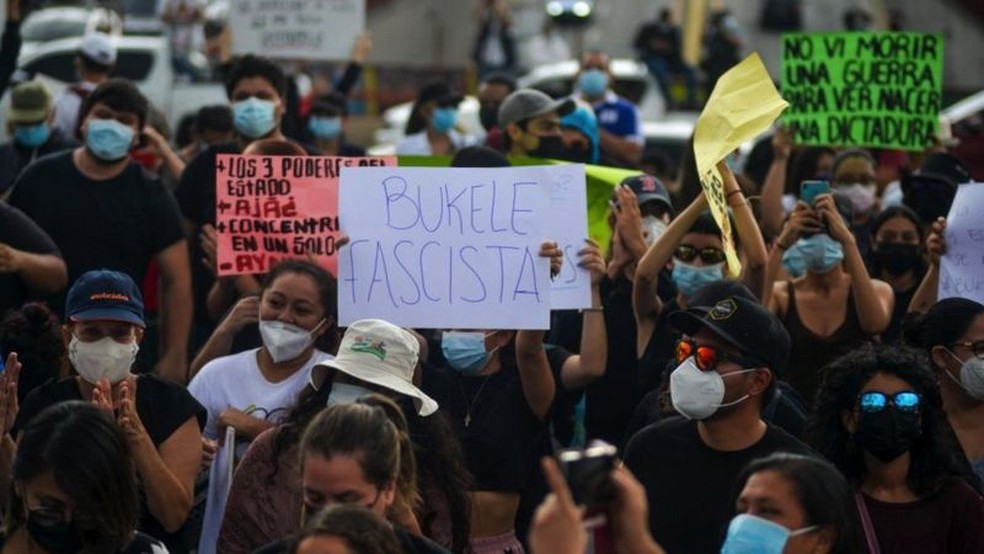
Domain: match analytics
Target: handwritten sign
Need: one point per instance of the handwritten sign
(270, 208)
(962, 268)
(296, 29)
(446, 247)
(743, 104)
(863, 89)
(568, 225)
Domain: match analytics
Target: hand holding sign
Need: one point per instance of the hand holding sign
(962, 266)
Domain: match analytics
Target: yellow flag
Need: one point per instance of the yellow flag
(743, 105)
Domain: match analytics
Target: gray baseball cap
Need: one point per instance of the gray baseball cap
(526, 103)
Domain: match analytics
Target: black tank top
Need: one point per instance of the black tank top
(810, 351)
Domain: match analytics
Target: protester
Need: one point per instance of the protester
(896, 258)
(835, 306)
(621, 125)
(103, 211)
(359, 453)
(75, 486)
(492, 91)
(154, 152)
(30, 263)
(658, 44)
(930, 191)
(952, 333)
(495, 47)
(790, 166)
(161, 421)
(29, 123)
(95, 61)
(530, 123)
(853, 174)
(182, 18)
(212, 126)
(33, 331)
(879, 418)
(251, 390)
(10, 43)
(729, 363)
(346, 529)
(723, 45)
(432, 127)
(327, 124)
(793, 504)
(580, 133)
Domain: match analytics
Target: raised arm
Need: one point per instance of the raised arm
(581, 369)
(531, 357)
(929, 289)
(775, 183)
(747, 229)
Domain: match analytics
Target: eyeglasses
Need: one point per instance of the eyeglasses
(686, 253)
(875, 401)
(707, 357)
(976, 347)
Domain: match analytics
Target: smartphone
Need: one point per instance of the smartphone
(809, 190)
(588, 473)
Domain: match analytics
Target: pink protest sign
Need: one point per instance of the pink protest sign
(270, 208)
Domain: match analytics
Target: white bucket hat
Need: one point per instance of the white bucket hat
(380, 353)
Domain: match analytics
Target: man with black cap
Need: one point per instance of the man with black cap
(729, 360)
(530, 121)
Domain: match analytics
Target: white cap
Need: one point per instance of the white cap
(380, 353)
(99, 47)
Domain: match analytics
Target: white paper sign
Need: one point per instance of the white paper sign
(296, 29)
(448, 248)
(219, 483)
(962, 268)
(571, 290)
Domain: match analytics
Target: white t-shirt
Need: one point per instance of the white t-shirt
(67, 107)
(418, 145)
(236, 382)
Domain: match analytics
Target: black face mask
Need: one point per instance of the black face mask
(576, 154)
(895, 257)
(61, 536)
(889, 433)
(489, 116)
(551, 148)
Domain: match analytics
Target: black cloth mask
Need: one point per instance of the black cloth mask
(889, 433)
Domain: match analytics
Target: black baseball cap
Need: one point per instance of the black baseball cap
(103, 294)
(648, 189)
(931, 191)
(743, 322)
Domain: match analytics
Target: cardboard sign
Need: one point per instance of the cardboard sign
(962, 267)
(863, 89)
(270, 208)
(296, 29)
(450, 248)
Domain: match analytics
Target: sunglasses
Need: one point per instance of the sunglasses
(707, 357)
(686, 253)
(874, 401)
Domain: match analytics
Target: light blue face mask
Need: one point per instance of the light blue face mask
(32, 136)
(748, 534)
(108, 139)
(254, 117)
(444, 119)
(593, 83)
(325, 128)
(793, 260)
(690, 278)
(465, 351)
(820, 253)
(345, 393)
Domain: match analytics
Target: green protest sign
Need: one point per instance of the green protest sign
(880, 90)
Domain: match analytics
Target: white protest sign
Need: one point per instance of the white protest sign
(450, 248)
(296, 29)
(568, 225)
(219, 483)
(962, 268)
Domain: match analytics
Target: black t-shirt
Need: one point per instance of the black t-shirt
(20, 232)
(409, 544)
(163, 407)
(15, 157)
(689, 486)
(120, 223)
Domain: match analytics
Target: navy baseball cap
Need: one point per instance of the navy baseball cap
(648, 189)
(102, 294)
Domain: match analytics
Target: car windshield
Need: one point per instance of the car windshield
(41, 30)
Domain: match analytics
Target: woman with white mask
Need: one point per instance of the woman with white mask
(161, 421)
(252, 390)
(952, 333)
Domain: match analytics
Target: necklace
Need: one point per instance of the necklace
(471, 403)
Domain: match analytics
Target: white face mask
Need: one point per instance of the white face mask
(971, 376)
(653, 227)
(103, 359)
(285, 341)
(698, 394)
(345, 393)
(862, 196)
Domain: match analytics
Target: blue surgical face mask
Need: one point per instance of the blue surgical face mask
(465, 351)
(748, 534)
(254, 117)
(108, 139)
(820, 253)
(325, 128)
(444, 119)
(793, 260)
(690, 278)
(593, 83)
(32, 136)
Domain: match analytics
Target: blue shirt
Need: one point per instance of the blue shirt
(619, 117)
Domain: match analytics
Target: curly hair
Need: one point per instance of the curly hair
(33, 332)
(936, 457)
